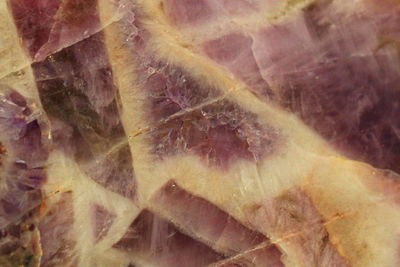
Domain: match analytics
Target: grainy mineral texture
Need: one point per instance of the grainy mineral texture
(191, 133)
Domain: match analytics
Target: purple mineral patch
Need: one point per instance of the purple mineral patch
(103, 219)
(23, 152)
(163, 244)
(220, 132)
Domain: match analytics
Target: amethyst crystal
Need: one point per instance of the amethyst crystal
(198, 133)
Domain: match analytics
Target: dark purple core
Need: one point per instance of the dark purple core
(172, 90)
(77, 91)
(197, 215)
(48, 26)
(348, 94)
(34, 20)
(76, 88)
(162, 243)
(220, 132)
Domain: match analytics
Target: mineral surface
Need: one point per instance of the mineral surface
(191, 133)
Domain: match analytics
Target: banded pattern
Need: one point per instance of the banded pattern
(199, 133)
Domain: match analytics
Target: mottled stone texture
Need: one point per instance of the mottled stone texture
(338, 72)
(168, 247)
(77, 91)
(200, 133)
(190, 118)
(48, 26)
(24, 151)
(219, 132)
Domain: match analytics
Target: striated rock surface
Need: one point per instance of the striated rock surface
(177, 133)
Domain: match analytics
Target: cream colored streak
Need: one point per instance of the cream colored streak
(363, 226)
(65, 175)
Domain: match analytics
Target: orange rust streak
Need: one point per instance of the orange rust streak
(294, 234)
(43, 206)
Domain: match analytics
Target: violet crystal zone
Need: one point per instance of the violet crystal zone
(182, 133)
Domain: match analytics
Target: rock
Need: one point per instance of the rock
(199, 133)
